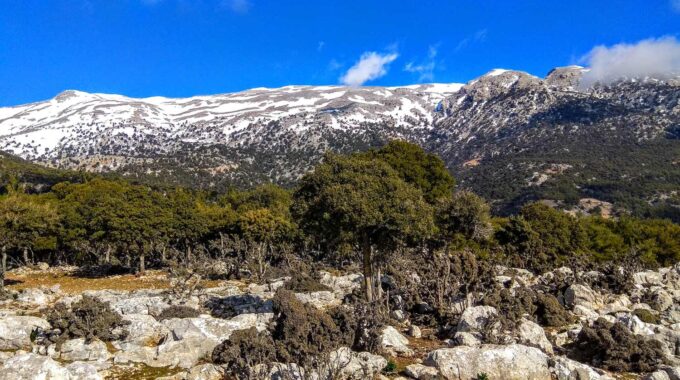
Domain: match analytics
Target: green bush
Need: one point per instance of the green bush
(304, 283)
(88, 318)
(612, 346)
(178, 311)
(244, 350)
(647, 316)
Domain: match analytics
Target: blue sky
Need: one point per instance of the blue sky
(189, 47)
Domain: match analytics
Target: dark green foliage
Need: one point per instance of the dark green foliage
(613, 347)
(304, 283)
(549, 312)
(355, 202)
(390, 368)
(512, 305)
(647, 316)
(88, 318)
(560, 235)
(464, 214)
(302, 332)
(178, 311)
(244, 350)
(482, 376)
(425, 171)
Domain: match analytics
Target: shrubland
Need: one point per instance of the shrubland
(389, 210)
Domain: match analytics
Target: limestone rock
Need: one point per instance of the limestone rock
(578, 294)
(77, 349)
(421, 372)
(567, 369)
(320, 300)
(144, 330)
(511, 362)
(31, 367)
(394, 342)
(476, 318)
(15, 331)
(34, 296)
(83, 371)
(531, 334)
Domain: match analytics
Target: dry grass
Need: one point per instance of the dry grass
(71, 284)
(140, 372)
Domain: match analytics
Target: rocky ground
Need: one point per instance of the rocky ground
(481, 347)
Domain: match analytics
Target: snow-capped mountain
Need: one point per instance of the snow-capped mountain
(508, 135)
(82, 123)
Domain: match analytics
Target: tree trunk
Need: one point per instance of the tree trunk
(107, 254)
(163, 255)
(188, 251)
(368, 269)
(142, 264)
(128, 260)
(4, 259)
(3, 268)
(25, 253)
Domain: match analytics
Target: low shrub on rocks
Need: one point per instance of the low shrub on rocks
(549, 311)
(647, 316)
(88, 318)
(178, 311)
(304, 283)
(302, 331)
(515, 304)
(614, 347)
(244, 351)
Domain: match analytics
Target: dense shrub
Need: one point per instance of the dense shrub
(88, 318)
(614, 347)
(647, 316)
(178, 311)
(549, 311)
(512, 305)
(302, 332)
(243, 351)
(304, 283)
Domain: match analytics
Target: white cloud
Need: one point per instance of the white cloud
(478, 36)
(675, 4)
(370, 66)
(425, 69)
(238, 6)
(656, 58)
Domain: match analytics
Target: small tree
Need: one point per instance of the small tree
(354, 201)
(26, 222)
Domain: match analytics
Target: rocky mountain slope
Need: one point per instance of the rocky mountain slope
(509, 135)
(537, 346)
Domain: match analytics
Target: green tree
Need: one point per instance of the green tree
(425, 171)
(354, 201)
(464, 214)
(27, 222)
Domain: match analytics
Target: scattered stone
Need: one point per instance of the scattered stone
(15, 331)
(421, 372)
(31, 367)
(475, 319)
(414, 332)
(498, 362)
(33, 296)
(321, 300)
(531, 334)
(581, 295)
(392, 341)
(567, 369)
(83, 371)
(77, 349)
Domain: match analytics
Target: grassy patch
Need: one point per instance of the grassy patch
(71, 284)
